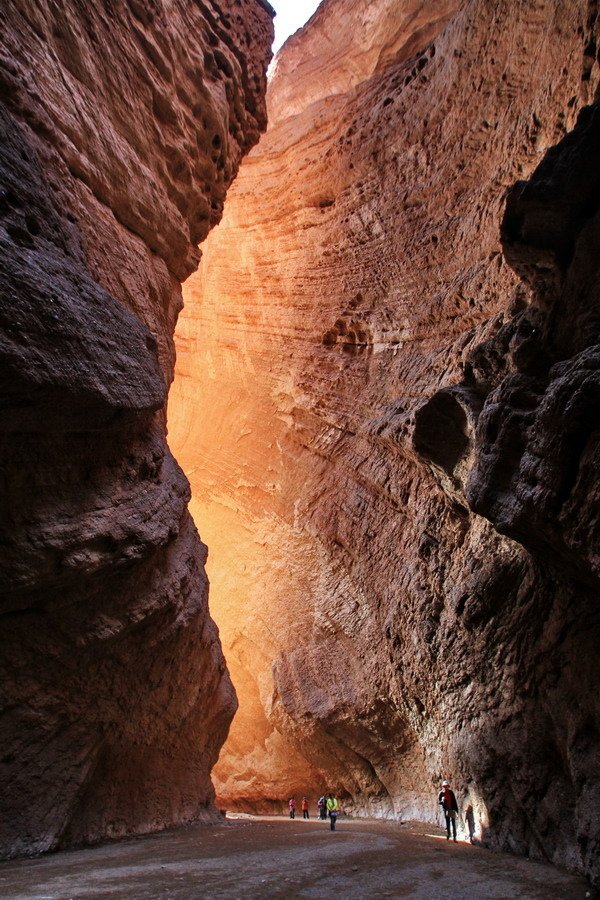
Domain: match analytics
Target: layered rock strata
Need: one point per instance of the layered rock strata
(393, 452)
(123, 125)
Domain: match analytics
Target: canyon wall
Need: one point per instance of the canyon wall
(387, 405)
(123, 124)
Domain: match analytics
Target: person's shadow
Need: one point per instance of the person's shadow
(470, 820)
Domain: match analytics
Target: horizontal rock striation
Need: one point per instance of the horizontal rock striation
(122, 126)
(393, 460)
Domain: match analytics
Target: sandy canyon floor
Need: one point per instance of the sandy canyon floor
(275, 857)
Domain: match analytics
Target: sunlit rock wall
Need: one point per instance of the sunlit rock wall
(122, 126)
(397, 600)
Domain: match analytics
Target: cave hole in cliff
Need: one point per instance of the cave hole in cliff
(441, 431)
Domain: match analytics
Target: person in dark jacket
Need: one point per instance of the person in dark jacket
(447, 800)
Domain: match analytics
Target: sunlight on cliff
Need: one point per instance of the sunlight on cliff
(226, 433)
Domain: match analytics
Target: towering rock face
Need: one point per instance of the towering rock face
(393, 452)
(123, 125)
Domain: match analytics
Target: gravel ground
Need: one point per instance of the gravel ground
(251, 857)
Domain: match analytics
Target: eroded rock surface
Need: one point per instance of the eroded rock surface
(122, 126)
(394, 452)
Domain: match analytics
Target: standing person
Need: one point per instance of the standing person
(304, 808)
(332, 810)
(322, 807)
(447, 799)
(292, 808)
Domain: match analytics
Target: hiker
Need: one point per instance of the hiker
(332, 810)
(322, 807)
(292, 808)
(447, 800)
(304, 808)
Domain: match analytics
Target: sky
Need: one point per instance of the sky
(291, 15)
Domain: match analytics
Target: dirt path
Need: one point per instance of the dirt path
(274, 857)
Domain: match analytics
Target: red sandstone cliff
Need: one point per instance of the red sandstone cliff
(123, 125)
(392, 455)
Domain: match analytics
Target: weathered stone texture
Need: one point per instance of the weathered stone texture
(123, 125)
(395, 449)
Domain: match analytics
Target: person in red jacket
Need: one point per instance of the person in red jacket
(304, 808)
(447, 800)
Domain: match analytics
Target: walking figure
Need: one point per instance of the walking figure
(447, 800)
(304, 808)
(332, 810)
(292, 808)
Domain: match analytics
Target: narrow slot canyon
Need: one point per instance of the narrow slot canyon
(300, 423)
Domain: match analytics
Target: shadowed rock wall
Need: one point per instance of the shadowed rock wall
(393, 456)
(122, 126)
